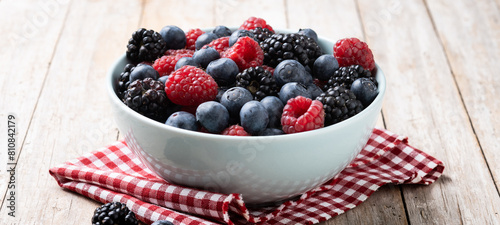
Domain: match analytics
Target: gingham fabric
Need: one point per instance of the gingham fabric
(114, 173)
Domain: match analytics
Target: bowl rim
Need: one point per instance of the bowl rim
(110, 83)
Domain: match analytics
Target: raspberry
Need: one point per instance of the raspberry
(219, 44)
(246, 53)
(191, 37)
(190, 86)
(179, 51)
(320, 83)
(166, 64)
(268, 68)
(352, 51)
(254, 22)
(235, 130)
(302, 114)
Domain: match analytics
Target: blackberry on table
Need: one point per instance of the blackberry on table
(124, 79)
(114, 213)
(145, 45)
(339, 104)
(295, 46)
(148, 98)
(346, 75)
(258, 81)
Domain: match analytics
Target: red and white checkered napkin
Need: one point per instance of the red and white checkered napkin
(114, 173)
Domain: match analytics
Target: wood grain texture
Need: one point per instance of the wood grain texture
(423, 102)
(184, 14)
(340, 19)
(72, 115)
(473, 51)
(440, 58)
(233, 13)
(25, 58)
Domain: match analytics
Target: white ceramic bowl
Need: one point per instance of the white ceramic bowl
(263, 169)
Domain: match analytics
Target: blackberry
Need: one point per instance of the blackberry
(346, 75)
(258, 81)
(261, 34)
(124, 79)
(145, 45)
(114, 213)
(339, 104)
(148, 98)
(295, 46)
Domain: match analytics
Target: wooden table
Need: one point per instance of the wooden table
(441, 59)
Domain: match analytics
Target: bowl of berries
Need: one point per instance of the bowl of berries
(266, 113)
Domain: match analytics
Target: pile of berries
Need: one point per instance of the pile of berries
(247, 82)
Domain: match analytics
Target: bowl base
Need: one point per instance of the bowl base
(271, 204)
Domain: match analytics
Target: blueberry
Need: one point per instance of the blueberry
(308, 69)
(254, 117)
(186, 61)
(221, 31)
(271, 132)
(213, 116)
(205, 39)
(220, 91)
(174, 36)
(309, 33)
(325, 66)
(183, 120)
(234, 98)
(143, 71)
(239, 33)
(162, 222)
(365, 90)
(172, 108)
(274, 108)
(291, 71)
(292, 90)
(205, 56)
(163, 79)
(314, 90)
(223, 70)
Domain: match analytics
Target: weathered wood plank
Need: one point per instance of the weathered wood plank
(72, 115)
(233, 13)
(25, 58)
(340, 19)
(184, 14)
(423, 102)
(473, 51)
